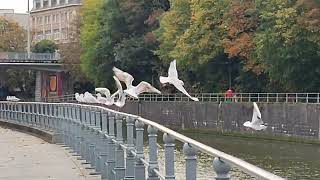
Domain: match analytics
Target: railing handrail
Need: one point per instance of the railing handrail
(233, 161)
(217, 97)
(23, 56)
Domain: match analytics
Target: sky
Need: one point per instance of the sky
(19, 6)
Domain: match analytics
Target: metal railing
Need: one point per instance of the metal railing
(217, 97)
(96, 134)
(22, 57)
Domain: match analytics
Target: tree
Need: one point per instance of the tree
(122, 37)
(12, 36)
(45, 46)
(70, 54)
(288, 46)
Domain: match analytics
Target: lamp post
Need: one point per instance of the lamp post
(28, 29)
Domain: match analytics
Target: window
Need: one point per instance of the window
(38, 5)
(53, 2)
(45, 3)
(62, 1)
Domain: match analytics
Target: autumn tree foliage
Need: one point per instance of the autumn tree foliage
(12, 36)
(256, 45)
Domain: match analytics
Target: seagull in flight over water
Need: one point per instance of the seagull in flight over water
(256, 123)
(174, 80)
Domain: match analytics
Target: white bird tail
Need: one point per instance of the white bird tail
(164, 80)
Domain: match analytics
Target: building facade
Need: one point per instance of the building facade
(20, 18)
(53, 19)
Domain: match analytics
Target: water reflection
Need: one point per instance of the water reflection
(289, 160)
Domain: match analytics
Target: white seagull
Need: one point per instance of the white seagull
(109, 99)
(104, 91)
(79, 97)
(131, 90)
(121, 96)
(174, 80)
(123, 76)
(100, 99)
(89, 98)
(256, 123)
(12, 98)
(142, 87)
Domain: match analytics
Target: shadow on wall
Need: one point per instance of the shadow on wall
(281, 119)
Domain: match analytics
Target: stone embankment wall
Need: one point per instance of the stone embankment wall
(281, 118)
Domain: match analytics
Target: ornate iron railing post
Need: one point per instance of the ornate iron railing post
(129, 174)
(169, 156)
(153, 153)
(111, 148)
(119, 164)
(191, 161)
(221, 168)
(104, 147)
(139, 168)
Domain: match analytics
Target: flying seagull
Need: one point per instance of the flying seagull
(142, 87)
(256, 123)
(131, 90)
(121, 95)
(174, 80)
(123, 76)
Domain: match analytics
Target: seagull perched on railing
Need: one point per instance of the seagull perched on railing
(79, 97)
(100, 99)
(174, 80)
(109, 99)
(131, 90)
(89, 98)
(256, 123)
(12, 98)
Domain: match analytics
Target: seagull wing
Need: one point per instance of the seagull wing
(172, 72)
(180, 87)
(256, 116)
(123, 76)
(104, 91)
(146, 87)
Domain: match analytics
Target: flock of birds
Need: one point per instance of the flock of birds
(105, 97)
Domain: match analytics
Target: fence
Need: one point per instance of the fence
(217, 97)
(14, 57)
(96, 134)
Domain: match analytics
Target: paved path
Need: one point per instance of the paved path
(25, 157)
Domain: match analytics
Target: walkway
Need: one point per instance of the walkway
(26, 157)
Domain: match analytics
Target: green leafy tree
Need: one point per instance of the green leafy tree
(288, 48)
(45, 46)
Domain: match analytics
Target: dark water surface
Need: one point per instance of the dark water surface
(289, 160)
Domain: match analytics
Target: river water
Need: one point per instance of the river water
(289, 160)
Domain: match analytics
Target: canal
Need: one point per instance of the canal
(294, 161)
